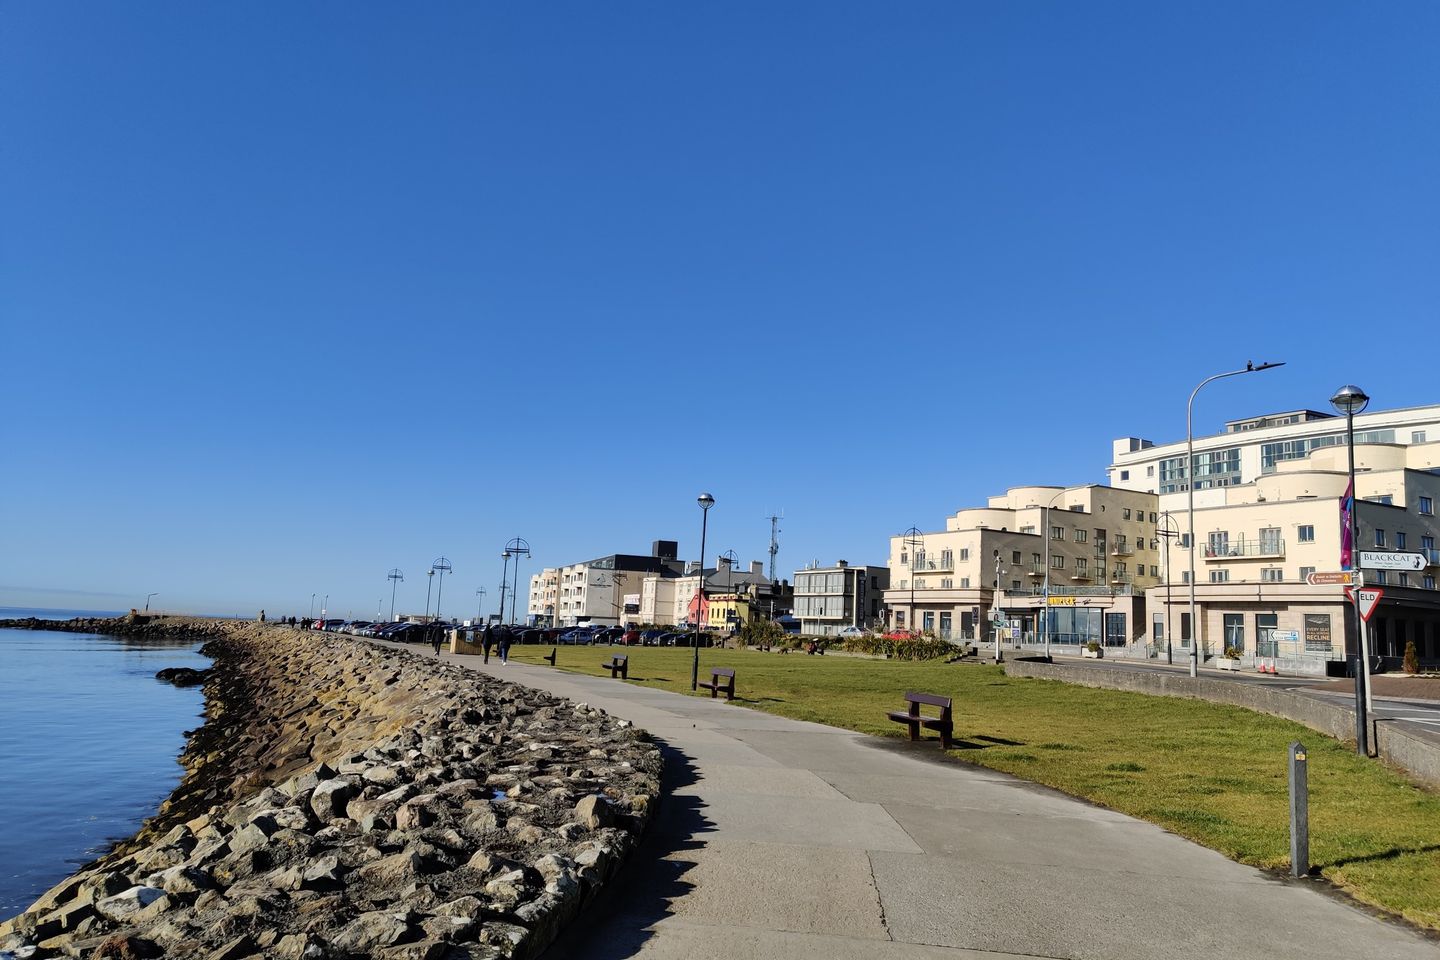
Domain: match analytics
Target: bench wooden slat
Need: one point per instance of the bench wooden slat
(714, 685)
(915, 720)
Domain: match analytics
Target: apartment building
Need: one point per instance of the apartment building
(1087, 554)
(595, 591)
(1255, 447)
(829, 599)
(669, 599)
(1256, 542)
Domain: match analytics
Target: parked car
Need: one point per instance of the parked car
(608, 634)
(630, 637)
(651, 638)
(850, 632)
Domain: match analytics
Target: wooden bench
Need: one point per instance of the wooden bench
(551, 655)
(619, 666)
(914, 719)
(715, 686)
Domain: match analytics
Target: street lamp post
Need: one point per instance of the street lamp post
(324, 605)
(517, 547)
(312, 607)
(1351, 400)
(996, 614)
(429, 583)
(1168, 534)
(396, 578)
(442, 567)
(914, 543)
(479, 605)
(504, 582)
(706, 502)
(1195, 631)
(1045, 612)
(157, 593)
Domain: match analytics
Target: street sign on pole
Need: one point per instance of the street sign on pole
(1392, 560)
(1369, 600)
(1330, 578)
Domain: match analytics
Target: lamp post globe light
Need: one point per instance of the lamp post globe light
(1351, 400)
(1195, 631)
(706, 502)
(479, 605)
(396, 578)
(504, 582)
(517, 547)
(442, 567)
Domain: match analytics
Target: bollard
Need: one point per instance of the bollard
(1299, 812)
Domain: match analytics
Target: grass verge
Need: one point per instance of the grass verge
(1213, 773)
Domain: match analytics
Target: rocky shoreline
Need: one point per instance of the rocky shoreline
(346, 800)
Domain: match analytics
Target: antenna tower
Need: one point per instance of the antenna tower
(774, 540)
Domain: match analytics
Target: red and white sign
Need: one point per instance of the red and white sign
(1369, 600)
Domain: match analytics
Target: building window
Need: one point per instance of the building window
(1305, 533)
(928, 619)
(1153, 518)
(1081, 565)
(1015, 556)
(1057, 533)
(1427, 507)
(1429, 582)
(1272, 575)
(1305, 572)
(1125, 513)
(1157, 627)
(1029, 528)
(964, 583)
(1380, 578)
(1235, 632)
(1185, 629)
(1124, 474)
(964, 554)
(1081, 536)
(904, 584)
(1219, 576)
(1014, 584)
(900, 619)
(904, 558)
(1399, 539)
(947, 583)
(1379, 537)
(1317, 632)
(1185, 576)
(1150, 470)
(947, 560)
(919, 583)
(1404, 579)
(945, 621)
(1057, 562)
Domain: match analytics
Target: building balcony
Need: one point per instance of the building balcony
(1081, 576)
(930, 564)
(1036, 570)
(1245, 549)
(1121, 548)
(1121, 579)
(1432, 558)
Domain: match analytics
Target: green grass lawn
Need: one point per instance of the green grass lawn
(1212, 773)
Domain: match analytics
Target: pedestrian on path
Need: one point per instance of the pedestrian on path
(487, 638)
(504, 644)
(436, 633)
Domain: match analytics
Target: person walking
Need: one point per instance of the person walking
(487, 639)
(504, 645)
(436, 633)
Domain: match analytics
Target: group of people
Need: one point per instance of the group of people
(499, 637)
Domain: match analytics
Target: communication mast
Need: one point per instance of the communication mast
(774, 540)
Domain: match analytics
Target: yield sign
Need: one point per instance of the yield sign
(1369, 600)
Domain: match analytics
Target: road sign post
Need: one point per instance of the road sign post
(1330, 578)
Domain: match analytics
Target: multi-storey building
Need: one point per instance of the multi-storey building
(1086, 553)
(1255, 447)
(669, 599)
(595, 591)
(1258, 541)
(829, 599)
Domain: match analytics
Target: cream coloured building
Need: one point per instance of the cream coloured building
(1256, 543)
(1095, 546)
(595, 591)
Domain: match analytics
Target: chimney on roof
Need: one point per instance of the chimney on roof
(664, 549)
(842, 564)
(757, 567)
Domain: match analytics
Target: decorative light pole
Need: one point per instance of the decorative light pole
(324, 605)
(429, 582)
(996, 614)
(1168, 534)
(312, 607)
(706, 502)
(504, 582)
(1195, 631)
(1046, 612)
(517, 547)
(442, 567)
(157, 593)
(1351, 400)
(396, 578)
(479, 605)
(914, 543)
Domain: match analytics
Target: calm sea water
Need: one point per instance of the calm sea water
(88, 746)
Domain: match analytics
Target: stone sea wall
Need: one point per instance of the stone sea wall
(345, 800)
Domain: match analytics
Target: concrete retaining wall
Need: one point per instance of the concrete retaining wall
(1420, 758)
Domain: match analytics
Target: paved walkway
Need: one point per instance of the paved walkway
(782, 839)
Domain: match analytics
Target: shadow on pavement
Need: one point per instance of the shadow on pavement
(619, 921)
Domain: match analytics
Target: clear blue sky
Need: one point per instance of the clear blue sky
(293, 294)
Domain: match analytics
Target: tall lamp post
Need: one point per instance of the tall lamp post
(1195, 631)
(1167, 534)
(1046, 611)
(706, 502)
(479, 605)
(324, 605)
(1351, 400)
(312, 607)
(429, 582)
(914, 543)
(504, 582)
(997, 615)
(157, 593)
(517, 547)
(442, 567)
(396, 578)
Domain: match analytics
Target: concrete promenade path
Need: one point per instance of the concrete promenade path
(783, 839)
